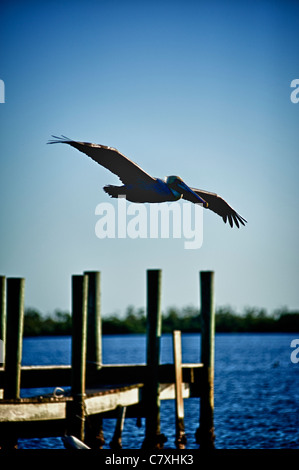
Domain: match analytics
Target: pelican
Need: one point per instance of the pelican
(139, 186)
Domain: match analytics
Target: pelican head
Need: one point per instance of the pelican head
(181, 189)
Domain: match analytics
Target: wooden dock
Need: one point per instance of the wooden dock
(96, 391)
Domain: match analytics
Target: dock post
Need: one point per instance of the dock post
(179, 401)
(205, 433)
(153, 438)
(94, 325)
(13, 349)
(2, 322)
(14, 337)
(115, 443)
(94, 435)
(76, 408)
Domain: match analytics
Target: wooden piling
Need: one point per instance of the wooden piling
(94, 325)
(14, 337)
(94, 434)
(205, 433)
(179, 402)
(13, 350)
(153, 438)
(2, 320)
(76, 408)
(115, 443)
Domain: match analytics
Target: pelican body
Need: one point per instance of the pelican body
(139, 186)
(157, 191)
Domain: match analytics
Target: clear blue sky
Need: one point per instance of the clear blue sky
(197, 89)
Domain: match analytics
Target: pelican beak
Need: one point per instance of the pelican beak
(185, 190)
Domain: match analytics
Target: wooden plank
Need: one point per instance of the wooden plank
(167, 391)
(18, 412)
(41, 408)
(45, 376)
(37, 409)
(110, 401)
(96, 402)
(179, 403)
(60, 376)
(177, 355)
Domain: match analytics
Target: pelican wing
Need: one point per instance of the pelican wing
(218, 205)
(110, 158)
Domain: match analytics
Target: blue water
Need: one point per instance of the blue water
(256, 388)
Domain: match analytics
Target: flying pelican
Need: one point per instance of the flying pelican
(139, 186)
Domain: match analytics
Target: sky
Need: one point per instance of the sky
(196, 89)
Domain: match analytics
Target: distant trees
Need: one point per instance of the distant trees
(187, 319)
(133, 322)
(35, 324)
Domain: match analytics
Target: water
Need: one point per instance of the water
(256, 388)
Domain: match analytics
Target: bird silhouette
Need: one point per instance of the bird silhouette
(139, 186)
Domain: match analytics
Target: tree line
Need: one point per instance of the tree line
(252, 320)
